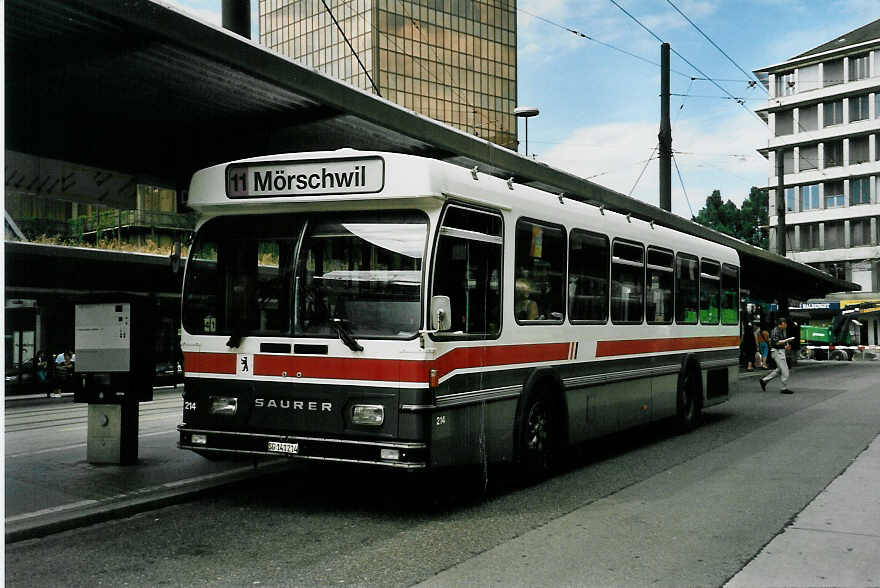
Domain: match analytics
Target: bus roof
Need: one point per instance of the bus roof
(294, 181)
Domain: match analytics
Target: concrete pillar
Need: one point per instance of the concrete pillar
(236, 17)
(847, 237)
(821, 236)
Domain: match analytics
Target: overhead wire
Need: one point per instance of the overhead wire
(597, 41)
(729, 58)
(683, 189)
(683, 58)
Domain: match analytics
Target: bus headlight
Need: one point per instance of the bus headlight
(368, 414)
(223, 405)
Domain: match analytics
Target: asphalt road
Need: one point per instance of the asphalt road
(647, 507)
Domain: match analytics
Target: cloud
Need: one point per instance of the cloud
(711, 153)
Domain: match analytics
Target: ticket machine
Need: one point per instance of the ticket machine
(114, 343)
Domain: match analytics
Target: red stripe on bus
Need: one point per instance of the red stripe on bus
(634, 346)
(209, 363)
(386, 370)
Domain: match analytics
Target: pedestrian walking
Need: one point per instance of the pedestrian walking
(748, 345)
(779, 344)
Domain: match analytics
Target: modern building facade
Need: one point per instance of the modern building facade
(823, 116)
(451, 60)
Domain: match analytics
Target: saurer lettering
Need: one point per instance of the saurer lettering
(304, 405)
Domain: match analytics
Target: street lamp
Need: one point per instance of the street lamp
(526, 112)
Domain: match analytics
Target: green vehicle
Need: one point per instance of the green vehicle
(843, 331)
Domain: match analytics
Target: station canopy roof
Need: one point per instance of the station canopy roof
(143, 89)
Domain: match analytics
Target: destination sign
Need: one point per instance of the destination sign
(305, 178)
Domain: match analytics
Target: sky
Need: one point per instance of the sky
(600, 108)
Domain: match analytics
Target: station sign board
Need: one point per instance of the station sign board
(362, 175)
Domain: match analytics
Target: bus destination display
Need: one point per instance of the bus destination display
(305, 178)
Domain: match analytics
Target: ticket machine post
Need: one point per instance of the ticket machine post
(114, 344)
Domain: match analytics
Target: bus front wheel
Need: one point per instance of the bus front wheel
(538, 436)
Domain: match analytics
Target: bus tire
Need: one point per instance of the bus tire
(539, 433)
(688, 400)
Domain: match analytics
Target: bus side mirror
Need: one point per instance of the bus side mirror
(441, 313)
(174, 257)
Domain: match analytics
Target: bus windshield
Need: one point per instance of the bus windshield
(307, 275)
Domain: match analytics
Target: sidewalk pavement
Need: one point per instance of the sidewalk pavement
(56, 489)
(834, 541)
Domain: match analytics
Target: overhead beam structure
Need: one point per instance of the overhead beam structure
(143, 89)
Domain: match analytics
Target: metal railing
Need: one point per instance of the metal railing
(107, 220)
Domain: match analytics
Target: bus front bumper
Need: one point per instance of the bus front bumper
(392, 454)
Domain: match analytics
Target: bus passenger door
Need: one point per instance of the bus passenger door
(467, 269)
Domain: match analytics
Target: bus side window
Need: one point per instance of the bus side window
(710, 292)
(687, 289)
(539, 292)
(627, 282)
(588, 266)
(467, 269)
(660, 285)
(729, 294)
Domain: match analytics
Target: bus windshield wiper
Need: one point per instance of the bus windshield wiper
(342, 330)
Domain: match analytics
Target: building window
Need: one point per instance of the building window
(859, 232)
(808, 118)
(832, 113)
(785, 84)
(789, 199)
(859, 191)
(809, 197)
(808, 78)
(808, 157)
(858, 67)
(858, 150)
(834, 194)
(788, 161)
(832, 72)
(877, 100)
(784, 122)
(809, 237)
(858, 108)
(834, 153)
(789, 238)
(834, 235)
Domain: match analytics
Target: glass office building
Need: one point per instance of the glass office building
(451, 60)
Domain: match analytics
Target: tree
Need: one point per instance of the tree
(743, 223)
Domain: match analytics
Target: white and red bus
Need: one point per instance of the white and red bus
(399, 311)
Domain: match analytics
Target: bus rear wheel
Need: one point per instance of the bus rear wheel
(687, 415)
(539, 437)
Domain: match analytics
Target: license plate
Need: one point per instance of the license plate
(283, 447)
